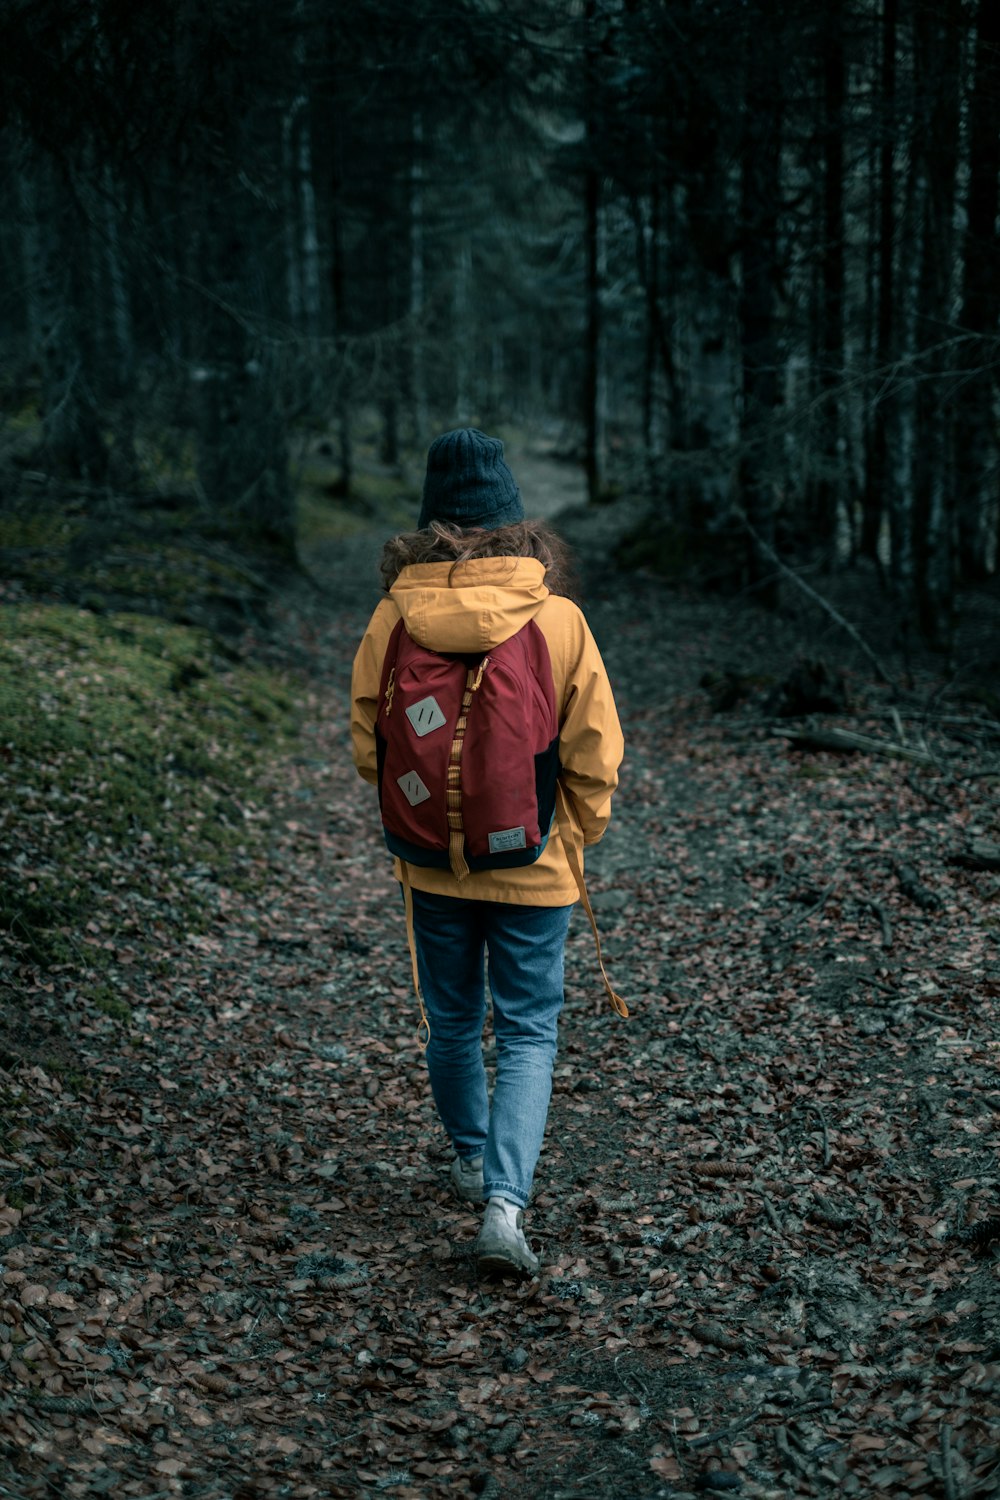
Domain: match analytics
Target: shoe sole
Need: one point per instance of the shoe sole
(500, 1261)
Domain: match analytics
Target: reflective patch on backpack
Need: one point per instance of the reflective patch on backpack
(425, 716)
(506, 839)
(412, 788)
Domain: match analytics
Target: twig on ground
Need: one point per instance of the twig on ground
(573, 1160)
(627, 1376)
(771, 1214)
(708, 1438)
(910, 885)
(723, 1432)
(672, 1432)
(809, 911)
(947, 1471)
(981, 854)
(883, 917)
(933, 1015)
(992, 726)
(817, 1110)
(879, 984)
(848, 740)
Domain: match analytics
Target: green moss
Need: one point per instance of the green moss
(36, 529)
(108, 1003)
(374, 499)
(129, 751)
(70, 1078)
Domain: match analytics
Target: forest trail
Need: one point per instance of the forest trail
(751, 1201)
(744, 1189)
(548, 485)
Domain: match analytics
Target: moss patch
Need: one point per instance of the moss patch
(162, 556)
(324, 515)
(130, 755)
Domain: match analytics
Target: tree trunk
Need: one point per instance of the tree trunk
(760, 201)
(592, 337)
(658, 402)
(338, 291)
(290, 215)
(242, 447)
(592, 260)
(830, 496)
(976, 455)
(418, 375)
(937, 55)
(67, 311)
(876, 479)
(899, 407)
(461, 320)
(708, 431)
(312, 303)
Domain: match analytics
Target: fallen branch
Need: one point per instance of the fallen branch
(848, 741)
(808, 911)
(709, 1438)
(824, 604)
(947, 1473)
(982, 854)
(817, 1110)
(879, 984)
(772, 1214)
(926, 1014)
(910, 885)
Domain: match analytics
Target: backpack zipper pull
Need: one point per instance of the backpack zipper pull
(390, 688)
(479, 674)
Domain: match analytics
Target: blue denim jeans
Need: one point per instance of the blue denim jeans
(524, 947)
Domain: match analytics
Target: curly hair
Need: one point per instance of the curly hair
(440, 542)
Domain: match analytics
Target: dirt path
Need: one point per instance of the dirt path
(745, 1189)
(547, 484)
(750, 1199)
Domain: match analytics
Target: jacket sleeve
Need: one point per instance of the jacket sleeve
(366, 678)
(591, 746)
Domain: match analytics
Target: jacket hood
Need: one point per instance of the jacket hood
(486, 601)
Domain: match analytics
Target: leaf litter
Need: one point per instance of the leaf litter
(766, 1206)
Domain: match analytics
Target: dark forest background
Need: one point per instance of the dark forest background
(723, 276)
(737, 258)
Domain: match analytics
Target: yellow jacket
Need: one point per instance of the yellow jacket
(472, 608)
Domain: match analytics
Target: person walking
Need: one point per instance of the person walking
(472, 576)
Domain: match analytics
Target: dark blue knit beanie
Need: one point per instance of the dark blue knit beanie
(468, 484)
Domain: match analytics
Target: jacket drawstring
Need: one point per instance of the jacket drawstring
(573, 859)
(411, 938)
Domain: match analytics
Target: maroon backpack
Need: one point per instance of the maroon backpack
(468, 753)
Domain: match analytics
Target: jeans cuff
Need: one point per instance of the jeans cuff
(505, 1190)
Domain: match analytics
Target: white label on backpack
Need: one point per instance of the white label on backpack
(412, 788)
(507, 838)
(425, 716)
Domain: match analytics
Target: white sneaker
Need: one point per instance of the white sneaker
(467, 1178)
(501, 1248)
